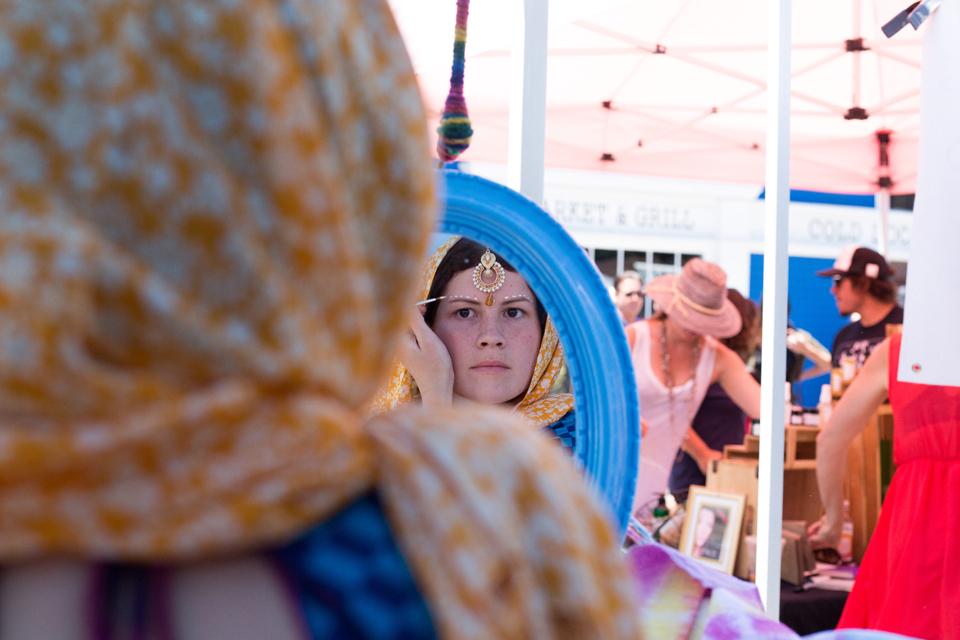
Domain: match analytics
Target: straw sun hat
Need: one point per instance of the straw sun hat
(696, 299)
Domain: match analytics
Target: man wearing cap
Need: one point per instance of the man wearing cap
(863, 284)
(628, 296)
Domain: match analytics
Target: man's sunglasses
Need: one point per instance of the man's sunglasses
(837, 279)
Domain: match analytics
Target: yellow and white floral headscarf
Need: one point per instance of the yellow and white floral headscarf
(209, 211)
(539, 406)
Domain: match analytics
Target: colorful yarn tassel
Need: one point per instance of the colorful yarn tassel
(455, 130)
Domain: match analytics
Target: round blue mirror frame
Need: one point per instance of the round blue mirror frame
(571, 290)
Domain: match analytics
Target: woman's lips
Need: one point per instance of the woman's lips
(490, 366)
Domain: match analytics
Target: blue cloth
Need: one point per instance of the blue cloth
(351, 579)
(719, 422)
(564, 430)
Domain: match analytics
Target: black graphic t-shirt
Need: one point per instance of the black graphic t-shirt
(858, 341)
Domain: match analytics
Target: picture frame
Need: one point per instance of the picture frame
(711, 528)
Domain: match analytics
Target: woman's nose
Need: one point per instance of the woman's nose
(490, 335)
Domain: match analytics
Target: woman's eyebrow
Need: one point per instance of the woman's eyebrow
(516, 298)
(467, 299)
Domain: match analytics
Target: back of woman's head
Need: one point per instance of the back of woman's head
(745, 342)
(239, 201)
(221, 217)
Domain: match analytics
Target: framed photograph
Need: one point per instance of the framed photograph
(711, 528)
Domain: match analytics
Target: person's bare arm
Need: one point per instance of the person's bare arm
(736, 381)
(732, 375)
(702, 454)
(848, 419)
(813, 372)
(804, 344)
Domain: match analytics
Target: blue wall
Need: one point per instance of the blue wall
(811, 307)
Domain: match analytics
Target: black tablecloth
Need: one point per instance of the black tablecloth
(812, 610)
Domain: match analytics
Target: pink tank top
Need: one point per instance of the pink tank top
(660, 446)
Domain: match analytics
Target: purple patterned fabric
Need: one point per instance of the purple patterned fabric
(682, 598)
(679, 597)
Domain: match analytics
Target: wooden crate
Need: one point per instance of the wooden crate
(801, 497)
(800, 447)
(799, 450)
(864, 478)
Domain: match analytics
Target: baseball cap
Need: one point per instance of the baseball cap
(859, 261)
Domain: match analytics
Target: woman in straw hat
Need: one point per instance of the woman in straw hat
(212, 218)
(677, 356)
(719, 421)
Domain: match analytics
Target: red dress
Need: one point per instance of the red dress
(909, 581)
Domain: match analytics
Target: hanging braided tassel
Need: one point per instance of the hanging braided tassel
(455, 130)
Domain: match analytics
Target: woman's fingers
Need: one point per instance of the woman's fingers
(821, 535)
(409, 348)
(428, 361)
(419, 326)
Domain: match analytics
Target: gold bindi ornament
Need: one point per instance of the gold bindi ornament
(489, 275)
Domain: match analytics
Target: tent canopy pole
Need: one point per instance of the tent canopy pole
(528, 102)
(773, 374)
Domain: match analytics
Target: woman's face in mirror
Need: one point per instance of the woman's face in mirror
(493, 348)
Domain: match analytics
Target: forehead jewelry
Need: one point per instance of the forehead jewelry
(488, 276)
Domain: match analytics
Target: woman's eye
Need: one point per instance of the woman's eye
(514, 312)
(464, 313)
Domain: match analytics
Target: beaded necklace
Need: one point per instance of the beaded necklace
(668, 373)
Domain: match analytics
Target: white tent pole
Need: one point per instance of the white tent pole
(528, 101)
(773, 374)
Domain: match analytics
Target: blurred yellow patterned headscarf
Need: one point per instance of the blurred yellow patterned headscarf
(209, 211)
(539, 405)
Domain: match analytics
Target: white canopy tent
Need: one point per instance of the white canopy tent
(678, 89)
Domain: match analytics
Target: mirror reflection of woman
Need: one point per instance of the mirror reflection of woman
(483, 336)
(677, 356)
